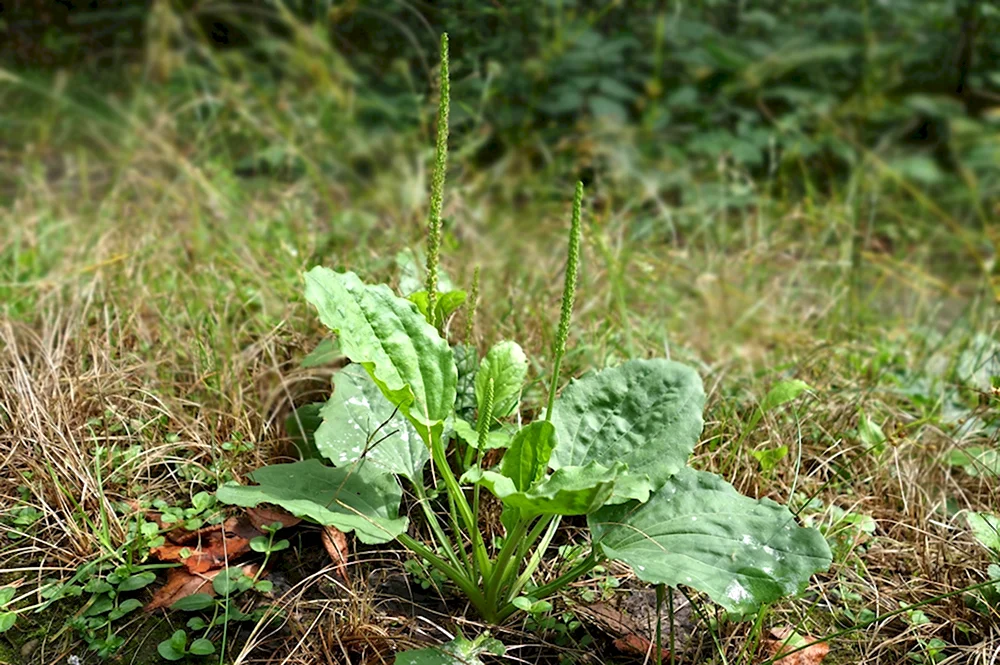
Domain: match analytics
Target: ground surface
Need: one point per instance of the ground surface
(152, 326)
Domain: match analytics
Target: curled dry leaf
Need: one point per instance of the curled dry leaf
(786, 640)
(212, 547)
(335, 542)
(182, 583)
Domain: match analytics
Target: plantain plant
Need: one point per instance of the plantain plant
(613, 447)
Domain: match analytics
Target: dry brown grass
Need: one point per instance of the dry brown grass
(159, 307)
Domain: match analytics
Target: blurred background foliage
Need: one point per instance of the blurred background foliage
(791, 98)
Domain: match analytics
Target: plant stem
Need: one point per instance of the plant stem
(500, 574)
(454, 574)
(437, 187)
(457, 528)
(546, 590)
(536, 557)
(659, 624)
(432, 521)
(569, 296)
(440, 458)
(673, 625)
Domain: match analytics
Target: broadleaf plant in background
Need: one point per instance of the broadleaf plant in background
(613, 447)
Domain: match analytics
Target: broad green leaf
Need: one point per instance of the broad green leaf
(359, 422)
(447, 303)
(409, 361)
(7, 621)
(507, 365)
(325, 353)
(349, 498)
(467, 361)
(459, 651)
(572, 490)
(986, 529)
(301, 425)
(698, 531)
(783, 392)
(7, 594)
(645, 413)
(527, 459)
(498, 438)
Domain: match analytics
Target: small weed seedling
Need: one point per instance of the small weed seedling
(106, 602)
(613, 447)
(8, 617)
(223, 608)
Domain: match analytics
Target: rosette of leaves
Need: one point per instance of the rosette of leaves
(615, 449)
(612, 447)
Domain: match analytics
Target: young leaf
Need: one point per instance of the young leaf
(871, 434)
(571, 490)
(783, 392)
(645, 413)
(100, 605)
(193, 603)
(498, 438)
(126, 607)
(411, 364)
(7, 594)
(7, 621)
(231, 581)
(202, 647)
(351, 498)
(445, 305)
(174, 647)
(507, 365)
(301, 426)
(137, 581)
(527, 460)
(770, 457)
(359, 421)
(697, 530)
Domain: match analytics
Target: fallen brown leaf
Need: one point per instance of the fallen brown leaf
(182, 583)
(264, 517)
(212, 547)
(785, 640)
(630, 619)
(335, 542)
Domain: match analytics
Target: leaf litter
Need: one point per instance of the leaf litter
(204, 553)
